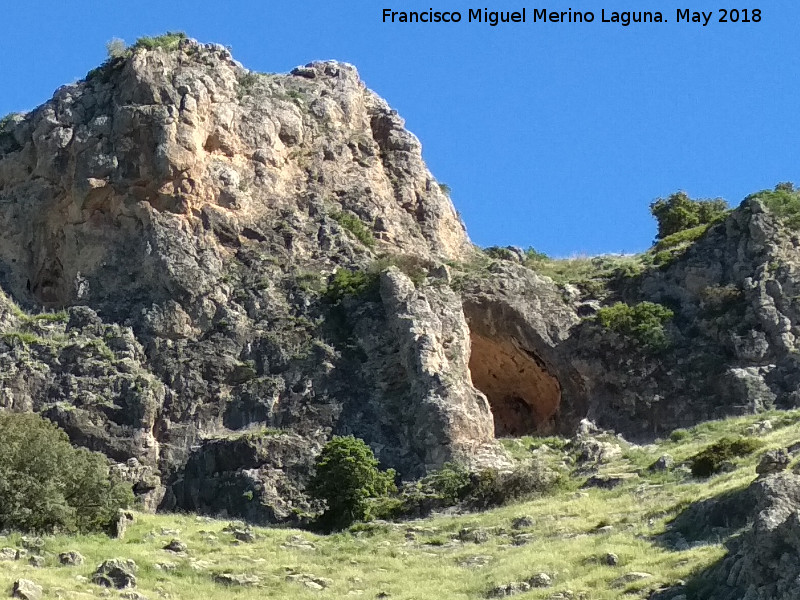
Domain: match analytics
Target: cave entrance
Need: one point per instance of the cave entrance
(522, 394)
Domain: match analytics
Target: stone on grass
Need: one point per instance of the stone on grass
(124, 518)
(540, 580)
(522, 522)
(36, 561)
(509, 589)
(664, 463)
(236, 579)
(176, 546)
(244, 535)
(116, 573)
(313, 582)
(476, 536)
(630, 578)
(474, 562)
(8, 554)
(71, 558)
(773, 461)
(611, 559)
(26, 590)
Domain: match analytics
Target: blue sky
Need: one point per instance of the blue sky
(556, 135)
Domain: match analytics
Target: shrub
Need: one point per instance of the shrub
(116, 48)
(711, 459)
(46, 485)
(643, 322)
(450, 483)
(679, 435)
(491, 487)
(344, 282)
(783, 202)
(355, 226)
(346, 476)
(168, 41)
(679, 212)
(499, 253)
(533, 255)
(445, 189)
(414, 267)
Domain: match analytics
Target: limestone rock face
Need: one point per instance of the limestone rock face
(182, 218)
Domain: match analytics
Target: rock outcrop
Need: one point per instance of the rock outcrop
(205, 272)
(182, 217)
(761, 563)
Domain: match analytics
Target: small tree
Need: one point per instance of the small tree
(347, 475)
(116, 48)
(46, 485)
(679, 212)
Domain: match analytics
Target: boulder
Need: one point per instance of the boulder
(116, 573)
(26, 590)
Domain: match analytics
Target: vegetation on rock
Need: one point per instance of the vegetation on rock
(678, 212)
(783, 202)
(643, 322)
(167, 41)
(355, 226)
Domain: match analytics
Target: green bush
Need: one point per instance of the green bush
(346, 477)
(783, 202)
(364, 284)
(450, 483)
(679, 212)
(533, 255)
(46, 485)
(490, 487)
(711, 459)
(498, 253)
(679, 435)
(355, 226)
(643, 322)
(168, 41)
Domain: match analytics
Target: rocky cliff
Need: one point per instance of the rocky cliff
(206, 272)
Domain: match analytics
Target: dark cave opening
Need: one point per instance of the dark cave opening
(523, 396)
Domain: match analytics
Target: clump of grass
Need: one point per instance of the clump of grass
(355, 226)
(783, 202)
(592, 273)
(247, 82)
(168, 41)
(711, 459)
(674, 245)
(413, 266)
(23, 337)
(359, 283)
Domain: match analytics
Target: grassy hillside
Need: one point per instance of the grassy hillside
(567, 535)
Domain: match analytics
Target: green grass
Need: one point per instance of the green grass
(593, 273)
(356, 227)
(421, 559)
(168, 41)
(782, 202)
